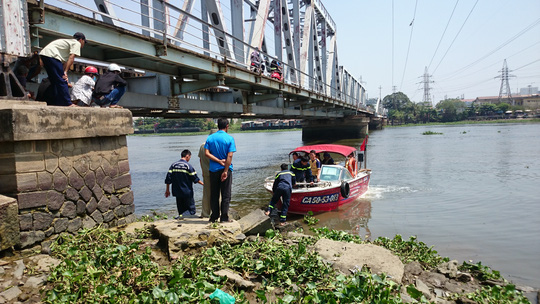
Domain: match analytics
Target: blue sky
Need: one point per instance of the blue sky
(364, 30)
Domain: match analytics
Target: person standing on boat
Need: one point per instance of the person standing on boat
(350, 164)
(302, 170)
(220, 147)
(315, 165)
(182, 176)
(282, 188)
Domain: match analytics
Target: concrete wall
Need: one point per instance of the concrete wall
(67, 168)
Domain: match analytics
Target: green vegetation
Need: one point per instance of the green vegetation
(431, 133)
(101, 266)
(401, 110)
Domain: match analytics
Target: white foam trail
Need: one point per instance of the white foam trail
(379, 191)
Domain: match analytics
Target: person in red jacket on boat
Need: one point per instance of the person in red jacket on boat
(282, 188)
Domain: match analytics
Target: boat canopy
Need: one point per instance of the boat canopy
(339, 149)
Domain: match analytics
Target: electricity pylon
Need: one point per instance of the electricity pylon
(505, 86)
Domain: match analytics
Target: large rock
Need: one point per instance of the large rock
(177, 236)
(9, 223)
(349, 256)
(255, 223)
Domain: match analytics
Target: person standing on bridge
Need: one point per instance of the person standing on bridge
(220, 147)
(110, 87)
(182, 176)
(58, 57)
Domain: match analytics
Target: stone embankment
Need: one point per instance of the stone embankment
(22, 278)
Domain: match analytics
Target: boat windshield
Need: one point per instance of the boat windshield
(330, 173)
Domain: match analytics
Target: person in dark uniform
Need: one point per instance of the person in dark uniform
(282, 188)
(302, 170)
(327, 160)
(182, 176)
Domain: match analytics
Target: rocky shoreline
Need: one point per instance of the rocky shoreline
(23, 274)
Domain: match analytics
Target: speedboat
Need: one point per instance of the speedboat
(336, 186)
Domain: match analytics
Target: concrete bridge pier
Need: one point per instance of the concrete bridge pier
(61, 169)
(349, 127)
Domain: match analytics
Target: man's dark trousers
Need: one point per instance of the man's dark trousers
(55, 72)
(216, 187)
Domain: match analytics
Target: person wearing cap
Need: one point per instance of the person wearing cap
(81, 93)
(58, 57)
(110, 87)
(327, 160)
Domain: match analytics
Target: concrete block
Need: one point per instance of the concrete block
(88, 223)
(81, 165)
(22, 147)
(60, 225)
(72, 194)
(91, 206)
(90, 179)
(29, 162)
(123, 167)
(86, 194)
(32, 199)
(51, 162)
(108, 185)
(127, 198)
(42, 220)
(42, 146)
(55, 200)
(65, 163)
(122, 182)
(44, 180)
(100, 176)
(27, 182)
(7, 163)
(104, 204)
(115, 201)
(108, 216)
(75, 180)
(69, 210)
(9, 223)
(255, 222)
(75, 224)
(8, 184)
(81, 208)
(60, 181)
(26, 221)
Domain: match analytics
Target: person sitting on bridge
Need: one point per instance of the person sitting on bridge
(81, 93)
(58, 57)
(282, 188)
(302, 170)
(110, 87)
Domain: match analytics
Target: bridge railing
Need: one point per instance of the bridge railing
(189, 30)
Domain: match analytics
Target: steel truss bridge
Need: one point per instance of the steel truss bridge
(194, 55)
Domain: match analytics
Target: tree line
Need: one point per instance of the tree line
(403, 111)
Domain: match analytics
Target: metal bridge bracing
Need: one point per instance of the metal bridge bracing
(195, 54)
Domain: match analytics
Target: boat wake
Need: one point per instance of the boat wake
(380, 191)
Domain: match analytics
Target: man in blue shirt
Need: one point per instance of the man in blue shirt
(182, 176)
(219, 148)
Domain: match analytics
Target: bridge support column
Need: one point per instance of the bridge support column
(350, 127)
(62, 169)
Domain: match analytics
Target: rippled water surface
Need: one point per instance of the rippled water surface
(472, 192)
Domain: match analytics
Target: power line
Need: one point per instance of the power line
(409, 47)
(472, 9)
(443, 34)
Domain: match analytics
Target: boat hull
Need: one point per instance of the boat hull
(323, 199)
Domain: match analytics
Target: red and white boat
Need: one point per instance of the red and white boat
(337, 185)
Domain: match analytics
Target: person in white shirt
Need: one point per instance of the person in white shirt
(81, 93)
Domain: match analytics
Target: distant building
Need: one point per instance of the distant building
(531, 102)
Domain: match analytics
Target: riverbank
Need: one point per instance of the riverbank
(99, 265)
(470, 122)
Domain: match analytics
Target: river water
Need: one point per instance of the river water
(472, 192)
